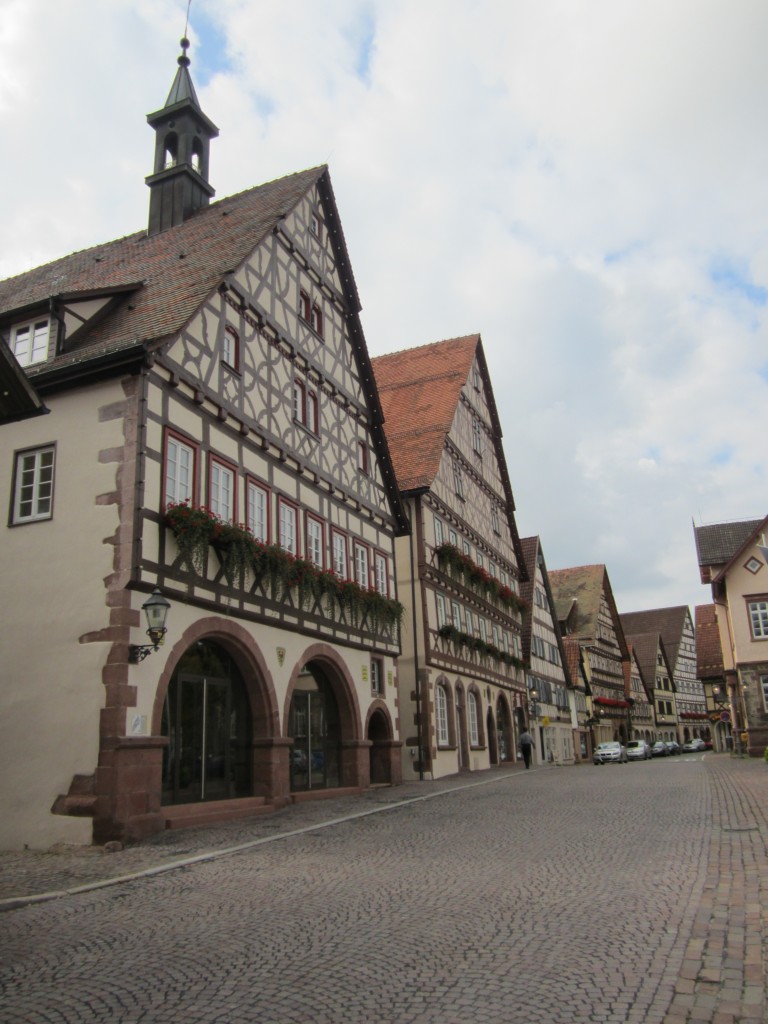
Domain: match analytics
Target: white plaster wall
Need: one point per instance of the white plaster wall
(53, 594)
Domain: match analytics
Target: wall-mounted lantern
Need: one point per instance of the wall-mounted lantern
(156, 609)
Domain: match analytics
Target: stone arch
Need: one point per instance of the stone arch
(246, 654)
(343, 760)
(268, 756)
(462, 728)
(450, 702)
(380, 733)
(505, 735)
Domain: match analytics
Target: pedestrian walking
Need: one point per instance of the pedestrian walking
(526, 742)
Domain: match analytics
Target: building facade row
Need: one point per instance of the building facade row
(193, 423)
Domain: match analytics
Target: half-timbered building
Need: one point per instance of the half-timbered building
(462, 686)
(675, 625)
(733, 560)
(587, 612)
(641, 711)
(710, 669)
(656, 669)
(555, 722)
(214, 433)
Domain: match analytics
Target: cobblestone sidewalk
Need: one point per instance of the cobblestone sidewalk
(34, 875)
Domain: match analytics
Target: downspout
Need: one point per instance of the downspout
(416, 669)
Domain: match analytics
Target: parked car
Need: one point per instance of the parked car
(638, 750)
(660, 749)
(611, 751)
(673, 746)
(694, 746)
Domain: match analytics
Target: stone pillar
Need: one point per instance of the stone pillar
(271, 769)
(128, 787)
(355, 763)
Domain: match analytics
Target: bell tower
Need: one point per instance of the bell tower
(179, 184)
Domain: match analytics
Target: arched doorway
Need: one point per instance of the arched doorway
(380, 752)
(315, 727)
(207, 719)
(493, 747)
(504, 738)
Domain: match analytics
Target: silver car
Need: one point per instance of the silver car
(638, 750)
(611, 751)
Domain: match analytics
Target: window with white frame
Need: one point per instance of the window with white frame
(495, 635)
(221, 491)
(477, 436)
(179, 471)
(458, 479)
(453, 538)
(33, 485)
(441, 715)
(315, 541)
(382, 575)
(456, 614)
(465, 546)
(257, 516)
(764, 688)
(361, 564)
(29, 342)
(758, 619)
(439, 532)
(287, 523)
(474, 734)
(339, 545)
(470, 622)
(442, 614)
(377, 676)
(483, 629)
(230, 347)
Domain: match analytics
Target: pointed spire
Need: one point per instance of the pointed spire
(179, 185)
(182, 88)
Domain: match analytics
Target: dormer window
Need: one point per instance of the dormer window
(29, 342)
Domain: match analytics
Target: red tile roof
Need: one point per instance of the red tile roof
(583, 586)
(709, 653)
(419, 390)
(669, 622)
(172, 271)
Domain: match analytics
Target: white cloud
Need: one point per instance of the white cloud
(584, 184)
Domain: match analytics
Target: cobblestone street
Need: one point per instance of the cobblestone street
(626, 893)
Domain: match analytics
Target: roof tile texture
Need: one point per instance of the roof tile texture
(419, 389)
(178, 268)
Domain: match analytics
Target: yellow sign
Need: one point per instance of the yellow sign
(545, 720)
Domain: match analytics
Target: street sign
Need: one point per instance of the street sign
(725, 716)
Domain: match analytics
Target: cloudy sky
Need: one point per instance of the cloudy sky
(584, 183)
